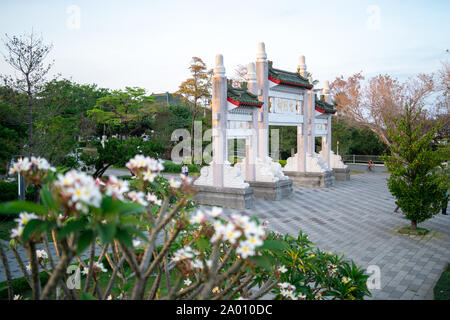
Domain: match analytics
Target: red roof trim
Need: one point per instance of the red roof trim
(288, 82)
(320, 110)
(238, 103)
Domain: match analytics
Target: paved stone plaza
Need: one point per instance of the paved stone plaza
(356, 218)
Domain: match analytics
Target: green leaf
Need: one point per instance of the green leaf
(31, 227)
(124, 208)
(14, 207)
(106, 231)
(84, 240)
(87, 296)
(274, 245)
(203, 244)
(124, 237)
(70, 227)
(263, 261)
(47, 198)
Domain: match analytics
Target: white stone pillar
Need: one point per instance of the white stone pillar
(326, 141)
(262, 72)
(219, 121)
(302, 136)
(311, 121)
(252, 145)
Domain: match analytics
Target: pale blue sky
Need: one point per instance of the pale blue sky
(150, 43)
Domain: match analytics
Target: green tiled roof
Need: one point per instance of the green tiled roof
(288, 78)
(324, 106)
(241, 96)
(168, 99)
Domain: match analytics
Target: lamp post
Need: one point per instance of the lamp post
(337, 147)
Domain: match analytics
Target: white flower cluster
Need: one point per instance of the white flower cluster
(138, 197)
(152, 198)
(184, 253)
(79, 190)
(333, 270)
(146, 167)
(239, 229)
(116, 188)
(22, 220)
(287, 290)
(97, 267)
(25, 165)
(41, 255)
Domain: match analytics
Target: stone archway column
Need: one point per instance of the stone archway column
(219, 122)
(262, 72)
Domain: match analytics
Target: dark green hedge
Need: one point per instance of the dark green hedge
(8, 191)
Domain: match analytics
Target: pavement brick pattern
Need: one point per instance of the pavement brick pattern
(356, 218)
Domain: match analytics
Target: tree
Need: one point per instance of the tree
(419, 179)
(196, 88)
(374, 105)
(121, 108)
(62, 118)
(26, 54)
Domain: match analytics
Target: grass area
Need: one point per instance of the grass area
(417, 231)
(442, 287)
(356, 172)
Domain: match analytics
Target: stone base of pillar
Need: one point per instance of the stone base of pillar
(342, 174)
(234, 198)
(311, 179)
(282, 189)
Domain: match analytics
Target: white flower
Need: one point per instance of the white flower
(137, 243)
(282, 269)
(301, 296)
(252, 229)
(17, 232)
(183, 253)
(215, 212)
(109, 297)
(117, 188)
(187, 282)
(29, 267)
(199, 217)
(149, 176)
(99, 266)
(18, 297)
(41, 254)
(231, 233)
(174, 183)
(245, 249)
(197, 264)
(79, 189)
(138, 197)
(85, 271)
(24, 217)
(318, 296)
(256, 241)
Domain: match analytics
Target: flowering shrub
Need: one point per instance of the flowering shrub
(308, 273)
(156, 245)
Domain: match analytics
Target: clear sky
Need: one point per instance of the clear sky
(150, 43)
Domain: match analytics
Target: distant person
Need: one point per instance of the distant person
(370, 165)
(185, 170)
